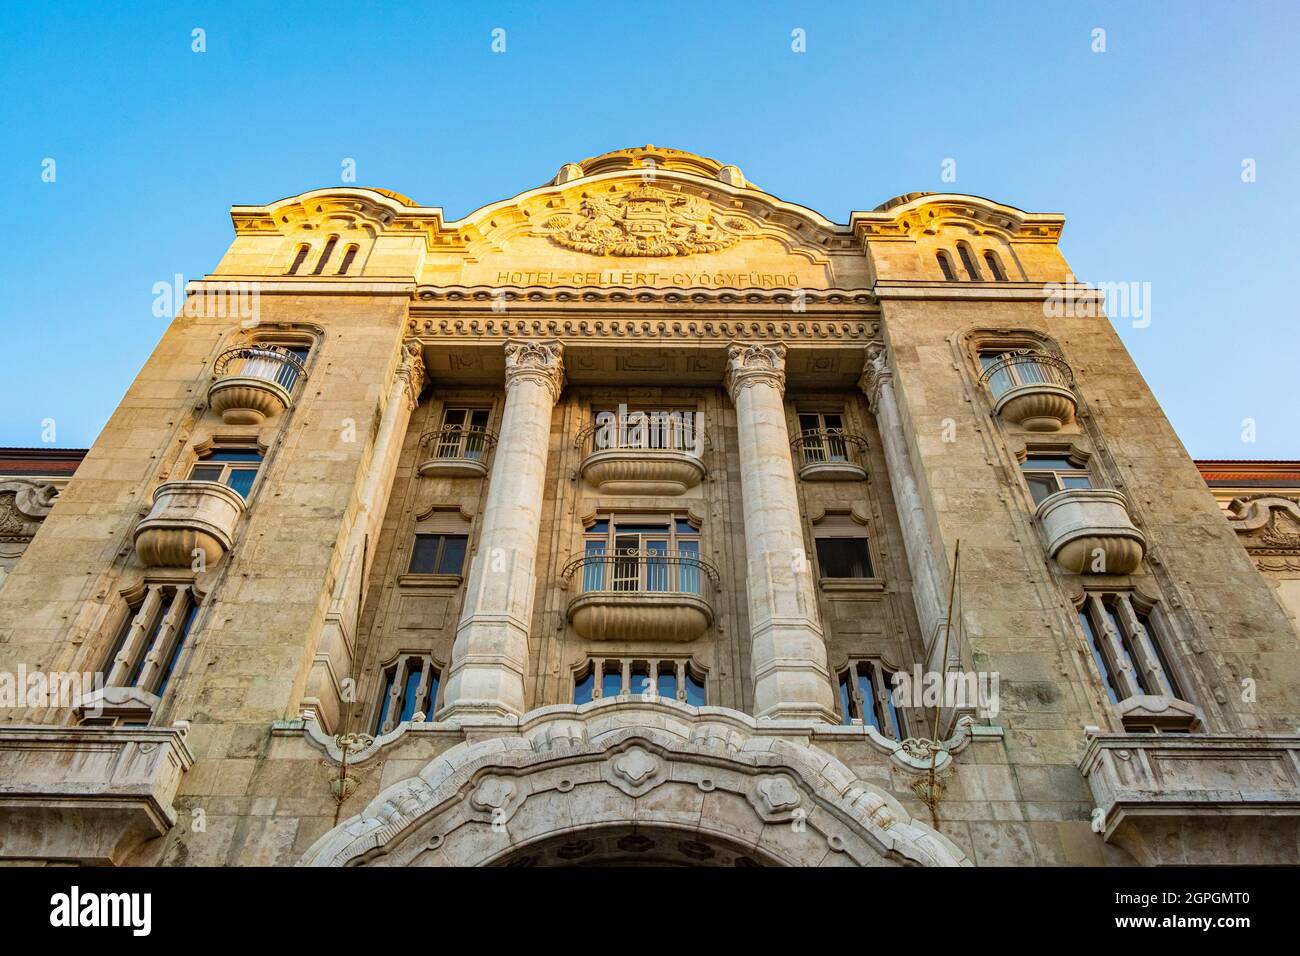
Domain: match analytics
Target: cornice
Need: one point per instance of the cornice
(493, 298)
(984, 291)
(855, 331)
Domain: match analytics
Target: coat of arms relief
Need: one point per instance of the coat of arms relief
(646, 221)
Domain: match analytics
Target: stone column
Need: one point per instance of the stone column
(928, 589)
(490, 654)
(791, 679)
(332, 662)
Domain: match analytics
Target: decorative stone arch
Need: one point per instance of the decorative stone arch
(710, 785)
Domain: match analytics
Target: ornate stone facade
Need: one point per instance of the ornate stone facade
(598, 525)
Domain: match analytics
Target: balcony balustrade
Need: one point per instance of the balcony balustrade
(1032, 390)
(829, 454)
(188, 517)
(253, 383)
(648, 458)
(1089, 531)
(639, 595)
(456, 452)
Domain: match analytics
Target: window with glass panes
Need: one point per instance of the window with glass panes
(642, 553)
(821, 437)
(438, 554)
(673, 678)
(1128, 647)
(866, 695)
(147, 645)
(409, 685)
(1047, 474)
(230, 465)
(843, 547)
(463, 434)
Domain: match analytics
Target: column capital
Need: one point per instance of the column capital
(541, 362)
(876, 373)
(753, 363)
(411, 371)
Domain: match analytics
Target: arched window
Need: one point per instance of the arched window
(972, 270)
(349, 254)
(299, 258)
(995, 266)
(945, 265)
(325, 255)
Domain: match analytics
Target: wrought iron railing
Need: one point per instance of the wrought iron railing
(1026, 368)
(640, 570)
(657, 431)
(453, 442)
(270, 363)
(817, 446)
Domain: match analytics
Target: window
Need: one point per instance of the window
(675, 429)
(409, 686)
(945, 265)
(1047, 474)
(968, 260)
(349, 254)
(149, 642)
(843, 547)
(463, 435)
(866, 696)
(230, 465)
(1005, 369)
(325, 255)
(673, 678)
(282, 362)
(821, 436)
(299, 258)
(438, 554)
(1130, 651)
(642, 554)
(995, 265)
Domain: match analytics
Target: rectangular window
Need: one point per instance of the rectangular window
(637, 554)
(1047, 474)
(844, 557)
(235, 467)
(408, 685)
(671, 678)
(1130, 653)
(145, 651)
(438, 554)
(866, 696)
(464, 434)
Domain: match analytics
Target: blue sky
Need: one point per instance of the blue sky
(1140, 146)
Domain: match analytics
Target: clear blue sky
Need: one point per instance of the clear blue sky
(1140, 146)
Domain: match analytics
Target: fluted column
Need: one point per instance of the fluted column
(788, 657)
(927, 588)
(490, 654)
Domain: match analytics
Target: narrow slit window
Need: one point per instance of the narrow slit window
(945, 266)
(995, 266)
(349, 254)
(299, 258)
(325, 255)
(967, 260)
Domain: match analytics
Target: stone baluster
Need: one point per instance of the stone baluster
(791, 677)
(490, 653)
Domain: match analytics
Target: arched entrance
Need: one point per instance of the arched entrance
(642, 782)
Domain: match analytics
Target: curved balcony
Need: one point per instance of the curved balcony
(456, 452)
(635, 595)
(253, 383)
(647, 460)
(1032, 390)
(829, 454)
(188, 516)
(1089, 531)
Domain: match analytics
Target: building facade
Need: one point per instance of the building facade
(643, 517)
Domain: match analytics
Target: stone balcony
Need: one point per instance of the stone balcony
(253, 383)
(1032, 390)
(641, 596)
(1088, 530)
(188, 516)
(87, 794)
(619, 463)
(1187, 799)
(829, 454)
(454, 452)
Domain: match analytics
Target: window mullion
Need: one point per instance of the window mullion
(1141, 643)
(1113, 645)
(123, 664)
(157, 655)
